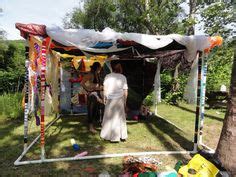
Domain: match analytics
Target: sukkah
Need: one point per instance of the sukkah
(136, 52)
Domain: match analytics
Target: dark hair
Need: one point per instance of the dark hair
(116, 67)
(95, 66)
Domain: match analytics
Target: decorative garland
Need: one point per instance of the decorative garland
(26, 108)
(43, 80)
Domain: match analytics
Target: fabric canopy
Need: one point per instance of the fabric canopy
(86, 40)
(109, 41)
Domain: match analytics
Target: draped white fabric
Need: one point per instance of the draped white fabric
(157, 86)
(85, 39)
(190, 92)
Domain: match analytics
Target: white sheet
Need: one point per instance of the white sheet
(84, 39)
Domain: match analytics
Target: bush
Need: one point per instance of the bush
(167, 94)
(149, 100)
(11, 81)
(10, 105)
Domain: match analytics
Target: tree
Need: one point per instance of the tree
(11, 65)
(226, 149)
(218, 20)
(160, 17)
(95, 15)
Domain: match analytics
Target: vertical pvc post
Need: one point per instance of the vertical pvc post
(196, 131)
(203, 95)
(26, 108)
(43, 81)
(71, 89)
(59, 86)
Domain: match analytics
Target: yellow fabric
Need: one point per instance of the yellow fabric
(53, 78)
(33, 56)
(203, 167)
(88, 61)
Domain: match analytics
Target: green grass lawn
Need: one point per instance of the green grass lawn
(174, 131)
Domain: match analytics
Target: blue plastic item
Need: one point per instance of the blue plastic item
(171, 173)
(76, 147)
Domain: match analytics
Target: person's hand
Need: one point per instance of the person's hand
(105, 101)
(99, 88)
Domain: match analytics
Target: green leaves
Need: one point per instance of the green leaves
(127, 16)
(11, 66)
(218, 19)
(219, 68)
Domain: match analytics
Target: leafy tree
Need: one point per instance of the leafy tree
(96, 14)
(218, 20)
(11, 66)
(219, 68)
(130, 16)
(226, 149)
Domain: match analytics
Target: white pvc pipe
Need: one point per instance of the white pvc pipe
(33, 142)
(169, 122)
(104, 156)
(210, 150)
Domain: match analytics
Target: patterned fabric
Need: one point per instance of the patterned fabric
(34, 29)
(43, 80)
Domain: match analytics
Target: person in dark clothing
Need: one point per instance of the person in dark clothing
(91, 83)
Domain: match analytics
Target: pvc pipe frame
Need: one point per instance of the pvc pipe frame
(19, 162)
(44, 160)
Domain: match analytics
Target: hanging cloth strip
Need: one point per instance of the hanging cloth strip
(157, 86)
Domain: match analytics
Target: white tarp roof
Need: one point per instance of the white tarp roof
(84, 39)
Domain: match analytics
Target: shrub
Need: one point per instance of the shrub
(10, 105)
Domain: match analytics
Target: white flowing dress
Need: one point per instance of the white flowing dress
(114, 125)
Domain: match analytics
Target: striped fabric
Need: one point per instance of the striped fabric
(43, 80)
(26, 108)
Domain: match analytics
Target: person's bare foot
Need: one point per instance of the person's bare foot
(92, 130)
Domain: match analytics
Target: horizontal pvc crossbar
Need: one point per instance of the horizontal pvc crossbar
(104, 156)
(34, 141)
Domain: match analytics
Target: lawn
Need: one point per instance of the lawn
(172, 130)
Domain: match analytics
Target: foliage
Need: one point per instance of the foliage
(10, 105)
(96, 14)
(218, 19)
(170, 96)
(219, 68)
(127, 16)
(149, 101)
(11, 66)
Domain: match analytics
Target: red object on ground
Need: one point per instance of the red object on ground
(135, 117)
(135, 175)
(89, 169)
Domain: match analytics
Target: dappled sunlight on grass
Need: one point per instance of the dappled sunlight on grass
(183, 116)
(174, 131)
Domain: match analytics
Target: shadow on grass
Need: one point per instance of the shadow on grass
(206, 115)
(58, 145)
(169, 135)
(10, 144)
